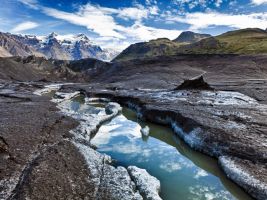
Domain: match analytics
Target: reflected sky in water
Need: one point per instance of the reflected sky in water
(183, 173)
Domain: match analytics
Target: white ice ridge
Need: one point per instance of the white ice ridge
(48, 88)
(148, 186)
(90, 117)
(241, 176)
(206, 97)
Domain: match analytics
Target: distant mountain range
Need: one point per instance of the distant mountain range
(243, 41)
(53, 46)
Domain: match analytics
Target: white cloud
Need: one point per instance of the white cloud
(259, 2)
(170, 167)
(135, 13)
(200, 173)
(145, 33)
(204, 20)
(24, 26)
(93, 18)
(150, 2)
(218, 3)
(31, 3)
(101, 20)
(192, 3)
(112, 43)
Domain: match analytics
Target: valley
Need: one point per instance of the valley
(184, 125)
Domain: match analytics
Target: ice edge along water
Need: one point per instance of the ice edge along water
(195, 138)
(148, 186)
(234, 171)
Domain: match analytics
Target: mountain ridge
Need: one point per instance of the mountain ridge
(190, 37)
(53, 46)
(243, 41)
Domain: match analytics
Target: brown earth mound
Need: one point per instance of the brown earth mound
(194, 84)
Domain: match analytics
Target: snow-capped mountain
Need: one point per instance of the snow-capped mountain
(67, 47)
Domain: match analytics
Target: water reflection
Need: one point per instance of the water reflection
(183, 172)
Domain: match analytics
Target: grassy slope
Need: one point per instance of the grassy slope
(152, 48)
(244, 41)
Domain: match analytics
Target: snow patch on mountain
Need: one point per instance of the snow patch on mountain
(62, 47)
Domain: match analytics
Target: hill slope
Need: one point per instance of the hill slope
(33, 68)
(162, 46)
(244, 41)
(190, 37)
(158, 47)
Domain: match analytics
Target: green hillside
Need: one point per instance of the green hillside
(162, 46)
(244, 41)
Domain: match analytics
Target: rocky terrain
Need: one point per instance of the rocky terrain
(38, 163)
(34, 68)
(53, 46)
(222, 115)
(227, 125)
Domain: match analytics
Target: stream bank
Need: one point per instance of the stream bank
(112, 137)
(113, 182)
(227, 125)
(41, 158)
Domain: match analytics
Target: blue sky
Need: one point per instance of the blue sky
(118, 23)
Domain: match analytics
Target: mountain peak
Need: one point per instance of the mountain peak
(81, 36)
(190, 37)
(52, 35)
(62, 47)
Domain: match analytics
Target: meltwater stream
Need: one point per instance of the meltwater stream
(184, 174)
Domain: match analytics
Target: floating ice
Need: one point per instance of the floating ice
(145, 131)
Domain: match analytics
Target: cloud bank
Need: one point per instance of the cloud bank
(199, 20)
(259, 2)
(24, 26)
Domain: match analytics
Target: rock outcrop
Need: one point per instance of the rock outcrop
(194, 84)
(191, 37)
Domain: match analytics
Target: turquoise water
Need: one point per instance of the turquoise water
(184, 173)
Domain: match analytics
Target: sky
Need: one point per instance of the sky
(118, 23)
